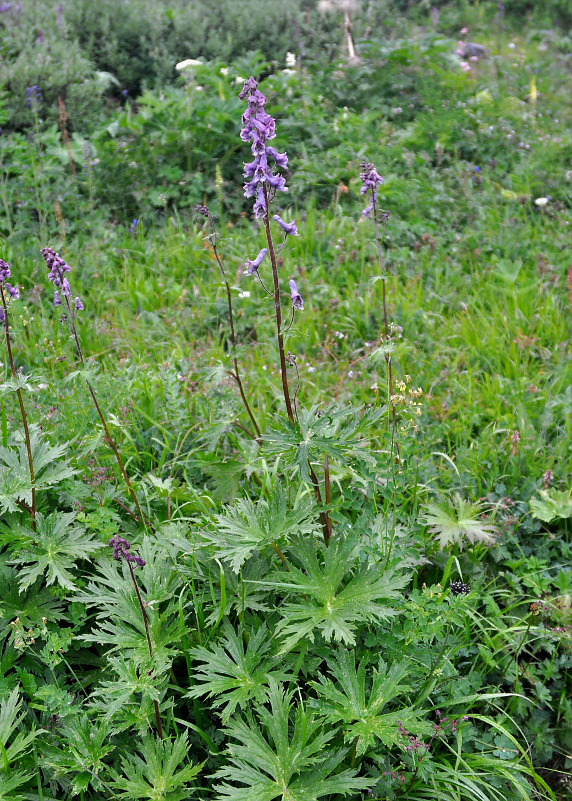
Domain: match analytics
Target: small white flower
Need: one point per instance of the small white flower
(541, 201)
(224, 71)
(288, 72)
(374, 387)
(188, 63)
(351, 374)
(245, 294)
(311, 369)
(512, 45)
(290, 60)
(238, 80)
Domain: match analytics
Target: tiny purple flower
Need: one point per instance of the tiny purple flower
(290, 229)
(13, 291)
(79, 305)
(297, 302)
(57, 299)
(254, 264)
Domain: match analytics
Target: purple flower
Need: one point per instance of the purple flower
(79, 305)
(121, 551)
(13, 291)
(254, 264)
(371, 180)
(290, 229)
(33, 96)
(41, 38)
(4, 271)
(133, 226)
(259, 128)
(297, 302)
(57, 299)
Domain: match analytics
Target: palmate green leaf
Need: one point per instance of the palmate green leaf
(247, 527)
(455, 522)
(13, 748)
(274, 759)
(50, 468)
(233, 674)
(29, 606)
(335, 593)
(158, 772)
(360, 711)
(341, 433)
(52, 551)
(552, 505)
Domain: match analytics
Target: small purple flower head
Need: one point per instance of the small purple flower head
(133, 226)
(13, 291)
(121, 551)
(4, 271)
(79, 305)
(33, 96)
(259, 128)
(252, 265)
(290, 229)
(57, 299)
(371, 179)
(41, 38)
(297, 302)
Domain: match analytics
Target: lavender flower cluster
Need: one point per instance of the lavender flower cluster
(57, 275)
(371, 180)
(4, 274)
(121, 551)
(33, 96)
(259, 128)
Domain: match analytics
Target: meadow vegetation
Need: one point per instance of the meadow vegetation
(296, 525)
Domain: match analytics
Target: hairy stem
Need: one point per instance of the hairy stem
(31, 510)
(278, 309)
(236, 374)
(145, 621)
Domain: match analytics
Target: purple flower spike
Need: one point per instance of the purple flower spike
(4, 271)
(297, 302)
(290, 229)
(121, 551)
(371, 179)
(259, 128)
(252, 265)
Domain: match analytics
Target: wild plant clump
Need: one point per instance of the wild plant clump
(300, 635)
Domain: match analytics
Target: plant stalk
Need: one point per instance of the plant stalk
(22, 408)
(278, 309)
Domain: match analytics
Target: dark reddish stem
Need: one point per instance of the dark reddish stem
(31, 510)
(278, 310)
(145, 621)
(236, 374)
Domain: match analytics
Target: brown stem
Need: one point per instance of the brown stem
(108, 437)
(278, 309)
(236, 373)
(385, 321)
(22, 408)
(328, 493)
(324, 516)
(144, 613)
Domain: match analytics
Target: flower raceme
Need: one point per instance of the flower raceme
(57, 275)
(259, 128)
(121, 551)
(371, 179)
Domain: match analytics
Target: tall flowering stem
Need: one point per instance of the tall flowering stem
(371, 179)
(259, 128)
(236, 374)
(58, 270)
(14, 293)
(121, 551)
